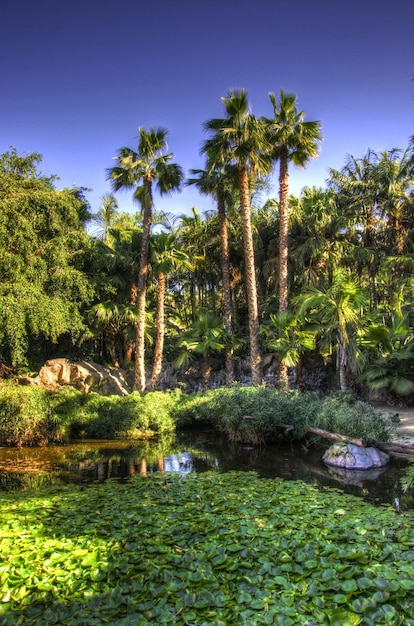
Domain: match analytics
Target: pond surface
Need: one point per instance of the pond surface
(192, 451)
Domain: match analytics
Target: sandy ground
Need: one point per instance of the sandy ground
(405, 427)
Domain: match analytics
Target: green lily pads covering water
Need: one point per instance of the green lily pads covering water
(203, 549)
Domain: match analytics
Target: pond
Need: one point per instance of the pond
(83, 462)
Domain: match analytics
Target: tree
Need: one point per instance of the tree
(165, 256)
(140, 170)
(294, 141)
(218, 182)
(283, 335)
(240, 139)
(387, 356)
(335, 313)
(206, 336)
(43, 246)
(106, 215)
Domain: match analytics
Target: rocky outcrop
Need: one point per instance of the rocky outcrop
(350, 456)
(83, 375)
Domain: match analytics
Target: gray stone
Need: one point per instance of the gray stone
(350, 456)
(83, 375)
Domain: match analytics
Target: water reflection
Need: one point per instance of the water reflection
(191, 451)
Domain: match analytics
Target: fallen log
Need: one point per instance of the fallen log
(362, 443)
(396, 448)
(387, 446)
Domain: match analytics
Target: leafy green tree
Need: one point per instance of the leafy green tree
(43, 246)
(141, 169)
(295, 141)
(240, 140)
(317, 246)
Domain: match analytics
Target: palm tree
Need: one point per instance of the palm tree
(217, 182)
(395, 178)
(165, 256)
(294, 141)
(316, 247)
(283, 335)
(107, 214)
(140, 170)
(240, 139)
(336, 316)
(206, 336)
(387, 356)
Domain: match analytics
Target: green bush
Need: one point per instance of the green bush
(261, 414)
(345, 414)
(111, 417)
(24, 416)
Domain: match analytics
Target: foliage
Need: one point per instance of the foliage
(42, 249)
(388, 356)
(344, 413)
(109, 417)
(260, 414)
(203, 549)
(31, 415)
(24, 416)
(407, 481)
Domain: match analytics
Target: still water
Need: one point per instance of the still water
(192, 451)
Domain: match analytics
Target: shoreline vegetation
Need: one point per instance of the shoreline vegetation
(255, 415)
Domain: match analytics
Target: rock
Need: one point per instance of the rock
(83, 375)
(350, 456)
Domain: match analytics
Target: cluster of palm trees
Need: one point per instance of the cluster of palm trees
(325, 271)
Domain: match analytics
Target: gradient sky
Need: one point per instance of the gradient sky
(79, 77)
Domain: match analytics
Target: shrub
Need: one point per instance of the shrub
(345, 414)
(259, 414)
(24, 416)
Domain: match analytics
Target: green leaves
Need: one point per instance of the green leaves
(202, 549)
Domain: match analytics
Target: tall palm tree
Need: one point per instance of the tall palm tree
(165, 256)
(240, 139)
(295, 141)
(140, 169)
(217, 182)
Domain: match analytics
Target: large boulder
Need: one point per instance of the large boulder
(350, 456)
(84, 376)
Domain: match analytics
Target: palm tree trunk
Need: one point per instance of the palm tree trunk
(341, 365)
(255, 356)
(159, 342)
(225, 268)
(140, 378)
(283, 251)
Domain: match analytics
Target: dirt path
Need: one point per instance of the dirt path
(405, 427)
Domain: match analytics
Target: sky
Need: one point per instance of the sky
(78, 78)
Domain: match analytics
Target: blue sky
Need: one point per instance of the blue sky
(78, 79)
